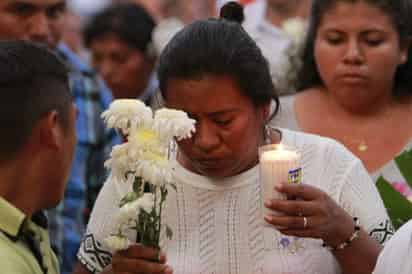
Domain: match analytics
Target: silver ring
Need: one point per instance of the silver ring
(305, 222)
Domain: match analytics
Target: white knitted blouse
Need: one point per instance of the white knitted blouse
(218, 225)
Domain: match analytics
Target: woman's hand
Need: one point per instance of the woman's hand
(312, 214)
(140, 259)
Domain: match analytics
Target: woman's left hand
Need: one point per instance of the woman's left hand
(312, 214)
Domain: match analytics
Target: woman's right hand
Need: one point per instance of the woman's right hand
(140, 259)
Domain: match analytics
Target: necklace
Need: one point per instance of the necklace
(359, 144)
(362, 147)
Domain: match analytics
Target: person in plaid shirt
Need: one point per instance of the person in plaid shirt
(88, 173)
(41, 21)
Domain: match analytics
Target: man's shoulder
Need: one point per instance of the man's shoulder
(16, 258)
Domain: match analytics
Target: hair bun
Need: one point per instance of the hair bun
(232, 11)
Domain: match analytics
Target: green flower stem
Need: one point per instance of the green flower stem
(149, 225)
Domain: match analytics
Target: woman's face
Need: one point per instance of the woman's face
(357, 51)
(125, 69)
(229, 126)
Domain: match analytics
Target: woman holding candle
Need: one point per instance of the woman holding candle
(215, 72)
(356, 77)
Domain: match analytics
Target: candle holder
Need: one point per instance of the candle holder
(277, 164)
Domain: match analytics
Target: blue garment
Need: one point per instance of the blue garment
(67, 221)
(150, 90)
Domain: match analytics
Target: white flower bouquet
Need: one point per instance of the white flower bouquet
(143, 162)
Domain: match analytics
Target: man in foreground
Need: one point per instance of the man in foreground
(42, 21)
(36, 151)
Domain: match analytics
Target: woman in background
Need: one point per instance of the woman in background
(355, 83)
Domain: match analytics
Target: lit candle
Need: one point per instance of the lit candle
(278, 164)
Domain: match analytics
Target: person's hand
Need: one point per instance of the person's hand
(312, 214)
(140, 259)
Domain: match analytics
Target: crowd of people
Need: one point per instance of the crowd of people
(335, 86)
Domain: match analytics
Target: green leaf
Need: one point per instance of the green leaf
(404, 163)
(169, 232)
(399, 208)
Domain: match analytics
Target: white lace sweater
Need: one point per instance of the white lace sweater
(218, 225)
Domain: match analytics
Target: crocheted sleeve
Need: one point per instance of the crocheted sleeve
(360, 198)
(92, 253)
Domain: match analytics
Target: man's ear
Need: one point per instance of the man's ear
(50, 130)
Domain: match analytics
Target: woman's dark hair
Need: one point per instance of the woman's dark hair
(130, 22)
(399, 11)
(218, 47)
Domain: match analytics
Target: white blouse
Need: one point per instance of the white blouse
(218, 225)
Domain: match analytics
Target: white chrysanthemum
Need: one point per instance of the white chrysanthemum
(173, 123)
(295, 28)
(127, 114)
(119, 162)
(143, 139)
(146, 202)
(154, 168)
(128, 212)
(117, 243)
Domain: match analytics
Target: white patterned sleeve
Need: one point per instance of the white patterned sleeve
(361, 199)
(92, 253)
